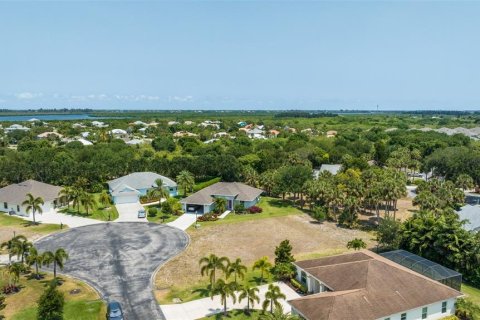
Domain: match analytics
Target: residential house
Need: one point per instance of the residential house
(189, 123)
(331, 134)
(208, 123)
(242, 124)
(135, 141)
(181, 134)
(139, 123)
(203, 201)
(78, 125)
(12, 197)
(220, 134)
(49, 134)
(173, 123)
(366, 286)
(85, 142)
(15, 127)
(129, 188)
(99, 124)
(273, 133)
(332, 168)
(118, 133)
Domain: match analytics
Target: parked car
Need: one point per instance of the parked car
(142, 213)
(114, 311)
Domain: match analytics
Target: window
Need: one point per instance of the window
(444, 306)
(18, 208)
(303, 276)
(387, 319)
(424, 313)
(403, 316)
(5, 205)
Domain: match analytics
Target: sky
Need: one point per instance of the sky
(240, 55)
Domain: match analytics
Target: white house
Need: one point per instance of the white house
(14, 127)
(99, 124)
(203, 201)
(129, 188)
(364, 285)
(12, 196)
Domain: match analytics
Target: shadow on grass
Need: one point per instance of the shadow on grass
(279, 203)
(234, 314)
(204, 292)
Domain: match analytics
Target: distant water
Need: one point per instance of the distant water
(51, 117)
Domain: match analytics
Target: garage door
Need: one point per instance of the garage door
(125, 199)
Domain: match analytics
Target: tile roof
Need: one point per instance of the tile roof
(241, 191)
(366, 286)
(17, 193)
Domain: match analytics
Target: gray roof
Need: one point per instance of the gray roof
(472, 214)
(240, 191)
(332, 168)
(17, 193)
(139, 180)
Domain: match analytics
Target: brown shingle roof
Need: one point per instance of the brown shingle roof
(17, 193)
(241, 191)
(367, 286)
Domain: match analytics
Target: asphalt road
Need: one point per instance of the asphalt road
(118, 259)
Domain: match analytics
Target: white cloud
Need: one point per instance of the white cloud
(180, 99)
(28, 95)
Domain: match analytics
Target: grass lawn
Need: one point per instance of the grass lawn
(272, 207)
(84, 305)
(472, 293)
(201, 289)
(158, 217)
(235, 315)
(99, 213)
(11, 224)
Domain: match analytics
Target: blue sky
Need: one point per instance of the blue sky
(240, 55)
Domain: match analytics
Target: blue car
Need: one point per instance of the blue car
(114, 311)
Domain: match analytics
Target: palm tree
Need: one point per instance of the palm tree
(33, 204)
(159, 190)
(22, 248)
(220, 205)
(272, 296)
(58, 258)
(186, 181)
(251, 294)
(263, 265)
(88, 201)
(35, 258)
(211, 264)
(76, 197)
(66, 194)
(104, 199)
(237, 269)
(13, 246)
(225, 290)
(356, 244)
(14, 270)
(278, 314)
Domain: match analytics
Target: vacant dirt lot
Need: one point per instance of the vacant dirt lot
(405, 210)
(251, 240)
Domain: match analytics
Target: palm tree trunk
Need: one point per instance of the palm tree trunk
(33, 213)
(225, 306)
(54, 269)
(248, 304)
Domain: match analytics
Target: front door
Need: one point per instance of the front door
(230, 205)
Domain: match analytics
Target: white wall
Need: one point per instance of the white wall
(434, 312)
(47, 207)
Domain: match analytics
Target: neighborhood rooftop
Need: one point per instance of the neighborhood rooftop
(366, 286)
(140, 180)
(241, 191)
(16, 193)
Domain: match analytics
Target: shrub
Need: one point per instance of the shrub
(208, 217)
(255, 209)
(239, 208)
(205, 184)
(152, 212)
(50, 304)
(297, 285)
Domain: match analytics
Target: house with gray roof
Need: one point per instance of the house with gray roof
(471, 213)
(203, 201)
(12, 196)
(332, 168)
(129, 188)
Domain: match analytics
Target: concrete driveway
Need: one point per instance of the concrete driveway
(128, 212)
(119, 259)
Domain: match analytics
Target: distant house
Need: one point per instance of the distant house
(221, 134)
(332, 168)
(208, 123)
(78, 125)
(84, 142)
(203, 201)
(256, 133)
(364, 285)
(471, 213)
(135, 141)
(14, 127)
(99, 124)
(273, 133)
(242, 124)
(180, 134)
(118, 133)
(139, 123)
(129, 188)
(49, 134)
(12, 196)
(331, 134)
(173, 123)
